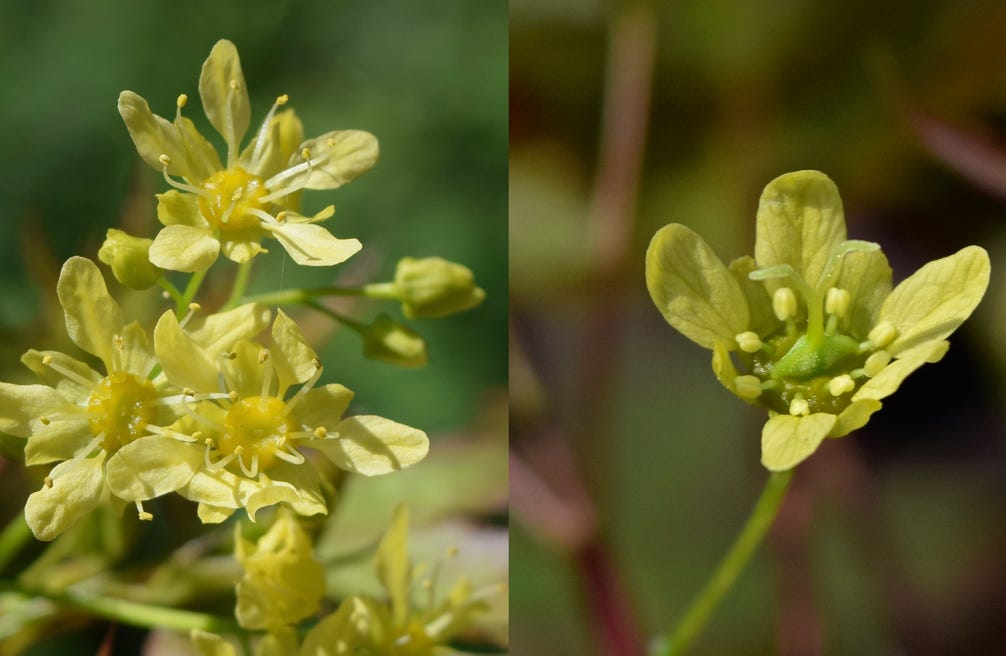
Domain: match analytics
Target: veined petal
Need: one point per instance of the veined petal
(152, 466)
(202, 156)
(154, 136)
(210, 644)
(854, 417)
(282, 642)
(184, 248)
(372, 445)
(212, 514)
(217, 333)
(176, 208)
(800, 221)
(292, 358)
(93, 318)
(184, 363)
(312, 245)
(936, 299)
(60, 440)
(890, 377)
(298, 486)
(762, 318)
(723, 366)
(866, 275)
(242, 245)
(245, 372)
(219, 490)
(322, 406)
(392, 562)
(224, 94)
(76, 488)
(786, 441)
(341, 632)
(23, 406)
(68, 387)
(137, 355)
(338, 158)
(693, 289)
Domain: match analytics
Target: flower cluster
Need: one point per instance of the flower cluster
(811, 328)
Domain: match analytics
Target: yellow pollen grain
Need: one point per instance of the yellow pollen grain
(234, 85)
(117, 342)
(837, 302)
(281, 217)
(330, 143)
(233, 396)
(198, 435)
(182, 100)
(784, 303)
(188, 391)
(305, 153)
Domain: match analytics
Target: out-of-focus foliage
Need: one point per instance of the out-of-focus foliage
(742, 92)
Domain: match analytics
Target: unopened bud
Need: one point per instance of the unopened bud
(434, 287)
(129, 258)
(386, 339)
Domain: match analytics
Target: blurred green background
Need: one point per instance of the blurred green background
(892, 539)
(428, 79)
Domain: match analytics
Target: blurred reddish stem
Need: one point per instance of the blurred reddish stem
(971, 153)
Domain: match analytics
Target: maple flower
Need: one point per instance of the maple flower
(254, 193)
(810, 328)
(239, 442)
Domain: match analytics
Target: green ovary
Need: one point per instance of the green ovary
(257, 427)
(231, 196)
(119, 409)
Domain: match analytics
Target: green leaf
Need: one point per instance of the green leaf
(93, 318)
(692, 288)
(799, 222)
(936, 299)
(224, 95)
(786, 441)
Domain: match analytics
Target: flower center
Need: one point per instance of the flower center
(255, 426)
(232, 199)
(119, 409)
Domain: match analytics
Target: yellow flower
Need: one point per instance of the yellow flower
(240, 441)
(282, 582)
(231, 206)
(810, 328)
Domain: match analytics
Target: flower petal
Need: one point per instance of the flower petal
(392, 562)
(76, 488)
(93, 318)
(890, 377)
(322, 406)
(224, 94)
(210, 644)
(298, 486)
(693, 289)
(152, 466)
(70, 388)
(219, 490)
(281, 139)
(347, 628)
(154, 136)
(184, 363)
(786, 441)
(184, 248)
(217, 333)
(762, 319)
(292, 358)
(23, 406)
(245, 371)
(936, 299)
(337, 158)
(242, 245)
(800, 221)
(212, 514)
(866, 275)
(60, 440)
(176, 208)
(137, 355)
(854, 417)
(372, 445)
(312, 245)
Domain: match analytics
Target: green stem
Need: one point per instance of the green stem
(350, 323)
(301, 296)
(190, 293)
(131, 612)
(173, 292)
(240, 284)
(702, 607)
(13, 538)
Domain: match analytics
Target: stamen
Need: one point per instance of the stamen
(181, 186)
(748, 341)
(262, 214)
(304, 389)
(840, 385)
(882, 334)
(320, 432)
(307, 165)
(748, 387)
(226, 216)
(876, 362)
(291, 455)
(253, 471)
(185, 398)
(166, 432)
(193, 308)
(784, 303)
(218, 428)
(48, 482)
(72, 375)
(837, 302)
(141, 513)
(799, 407)
(260, 137)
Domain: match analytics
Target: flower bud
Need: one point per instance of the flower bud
(129, 258)
(434, 287)
(386, 339)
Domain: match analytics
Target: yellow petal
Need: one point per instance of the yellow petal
(372, 445)
(800, 221)
(184, 248)
(76, 489)
(936, 299)
(224, 94)
(282, 137)
(137, 354)
(866, 275)
(786, 441)
(890, 377)
(69, 387)
(762, 318)
(23, 406)
(210, 644)
(242, 245)
(292, 358)
(345, 632)
(212, 514)
(322, 406)
(245, 372)
(184, 363)
(152, 466)
(60, 440)
(392, 561)
(93, 318)
(854, 417)
(176, 208)
(312, 245)
(154, 136)
(337, 158)
(692, 288)
(217, 333)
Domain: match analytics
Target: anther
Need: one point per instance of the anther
(164, 160)
(784, 303)
(182, 100)
(234, 85)
(748, 341)
(799, 407)
(281, 217)
(233, 396)
(282, 100)
(747, 387)
(198, 435)
(330, 142)
(195, 307)
(48, 482)
(320, 432)
(117, 342)
(876, 362)
(231, 356)
(305, 153)
(882, 334)
(141, 513)
(840, 385)
(188, 391)
(44, 420)
(263, 355)
(837, 302)
(46, 359)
